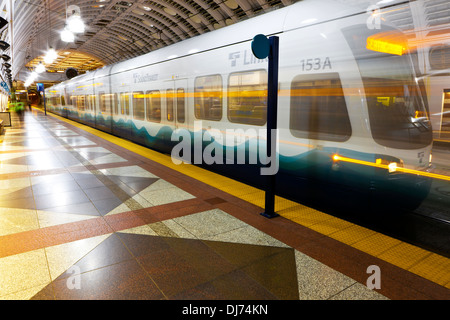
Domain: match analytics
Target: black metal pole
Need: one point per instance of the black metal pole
(272, 106)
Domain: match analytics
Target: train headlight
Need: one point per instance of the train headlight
(392, 167)
(384, 163)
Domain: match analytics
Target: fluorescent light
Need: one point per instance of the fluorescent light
(50, 56)
(40, 68)
(67, 36)
(75, 24)
(31, 79)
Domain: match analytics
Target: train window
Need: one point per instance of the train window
(116, 104)
(81, 103)
(445, 124)
(247, 97)
(113, 100)
(397, 113)
(208, 97)
(181, 98)
(87, 103)
(125, 103)
(92, 102)
(105, 102)
(398, 118)
(67, 99)
(153, 105)
(73, 101)
(169, 104)
(138, 105)
(102, 102)
(63, 101)
(91, 99)
(318, 110)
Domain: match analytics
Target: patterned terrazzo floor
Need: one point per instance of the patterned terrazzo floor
(83, 218)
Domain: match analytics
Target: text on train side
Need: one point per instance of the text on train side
(315, 64)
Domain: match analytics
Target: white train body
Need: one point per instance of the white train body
(319, 67)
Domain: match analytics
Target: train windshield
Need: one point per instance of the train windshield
(397, 114)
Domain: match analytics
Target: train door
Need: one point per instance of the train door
(176, 94)
(180, 102)
(124, 122)
(103, 118)
(92, 107)
(445, 124)
(63, 110)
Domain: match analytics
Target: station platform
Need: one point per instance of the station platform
(87, 215)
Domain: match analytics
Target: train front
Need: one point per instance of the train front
(397, 118)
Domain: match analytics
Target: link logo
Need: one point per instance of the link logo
(244, 58)
(233, 57)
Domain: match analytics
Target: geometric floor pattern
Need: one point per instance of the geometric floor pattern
(171, 243)
(133, 266)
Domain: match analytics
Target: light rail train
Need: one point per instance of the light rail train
(348, 97)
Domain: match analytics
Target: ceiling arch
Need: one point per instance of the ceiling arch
(121, 29)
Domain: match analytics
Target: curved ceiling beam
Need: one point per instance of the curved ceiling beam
(121, 29)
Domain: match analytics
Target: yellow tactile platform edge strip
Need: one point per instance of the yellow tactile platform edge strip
(426, 264)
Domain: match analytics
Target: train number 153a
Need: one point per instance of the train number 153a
(315, 64)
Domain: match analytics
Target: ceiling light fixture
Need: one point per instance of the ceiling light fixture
(74, 23)
(50, 56)
(31, 78)
(67, 35)
(40, 68)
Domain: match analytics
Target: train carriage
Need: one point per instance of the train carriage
(349, 104)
